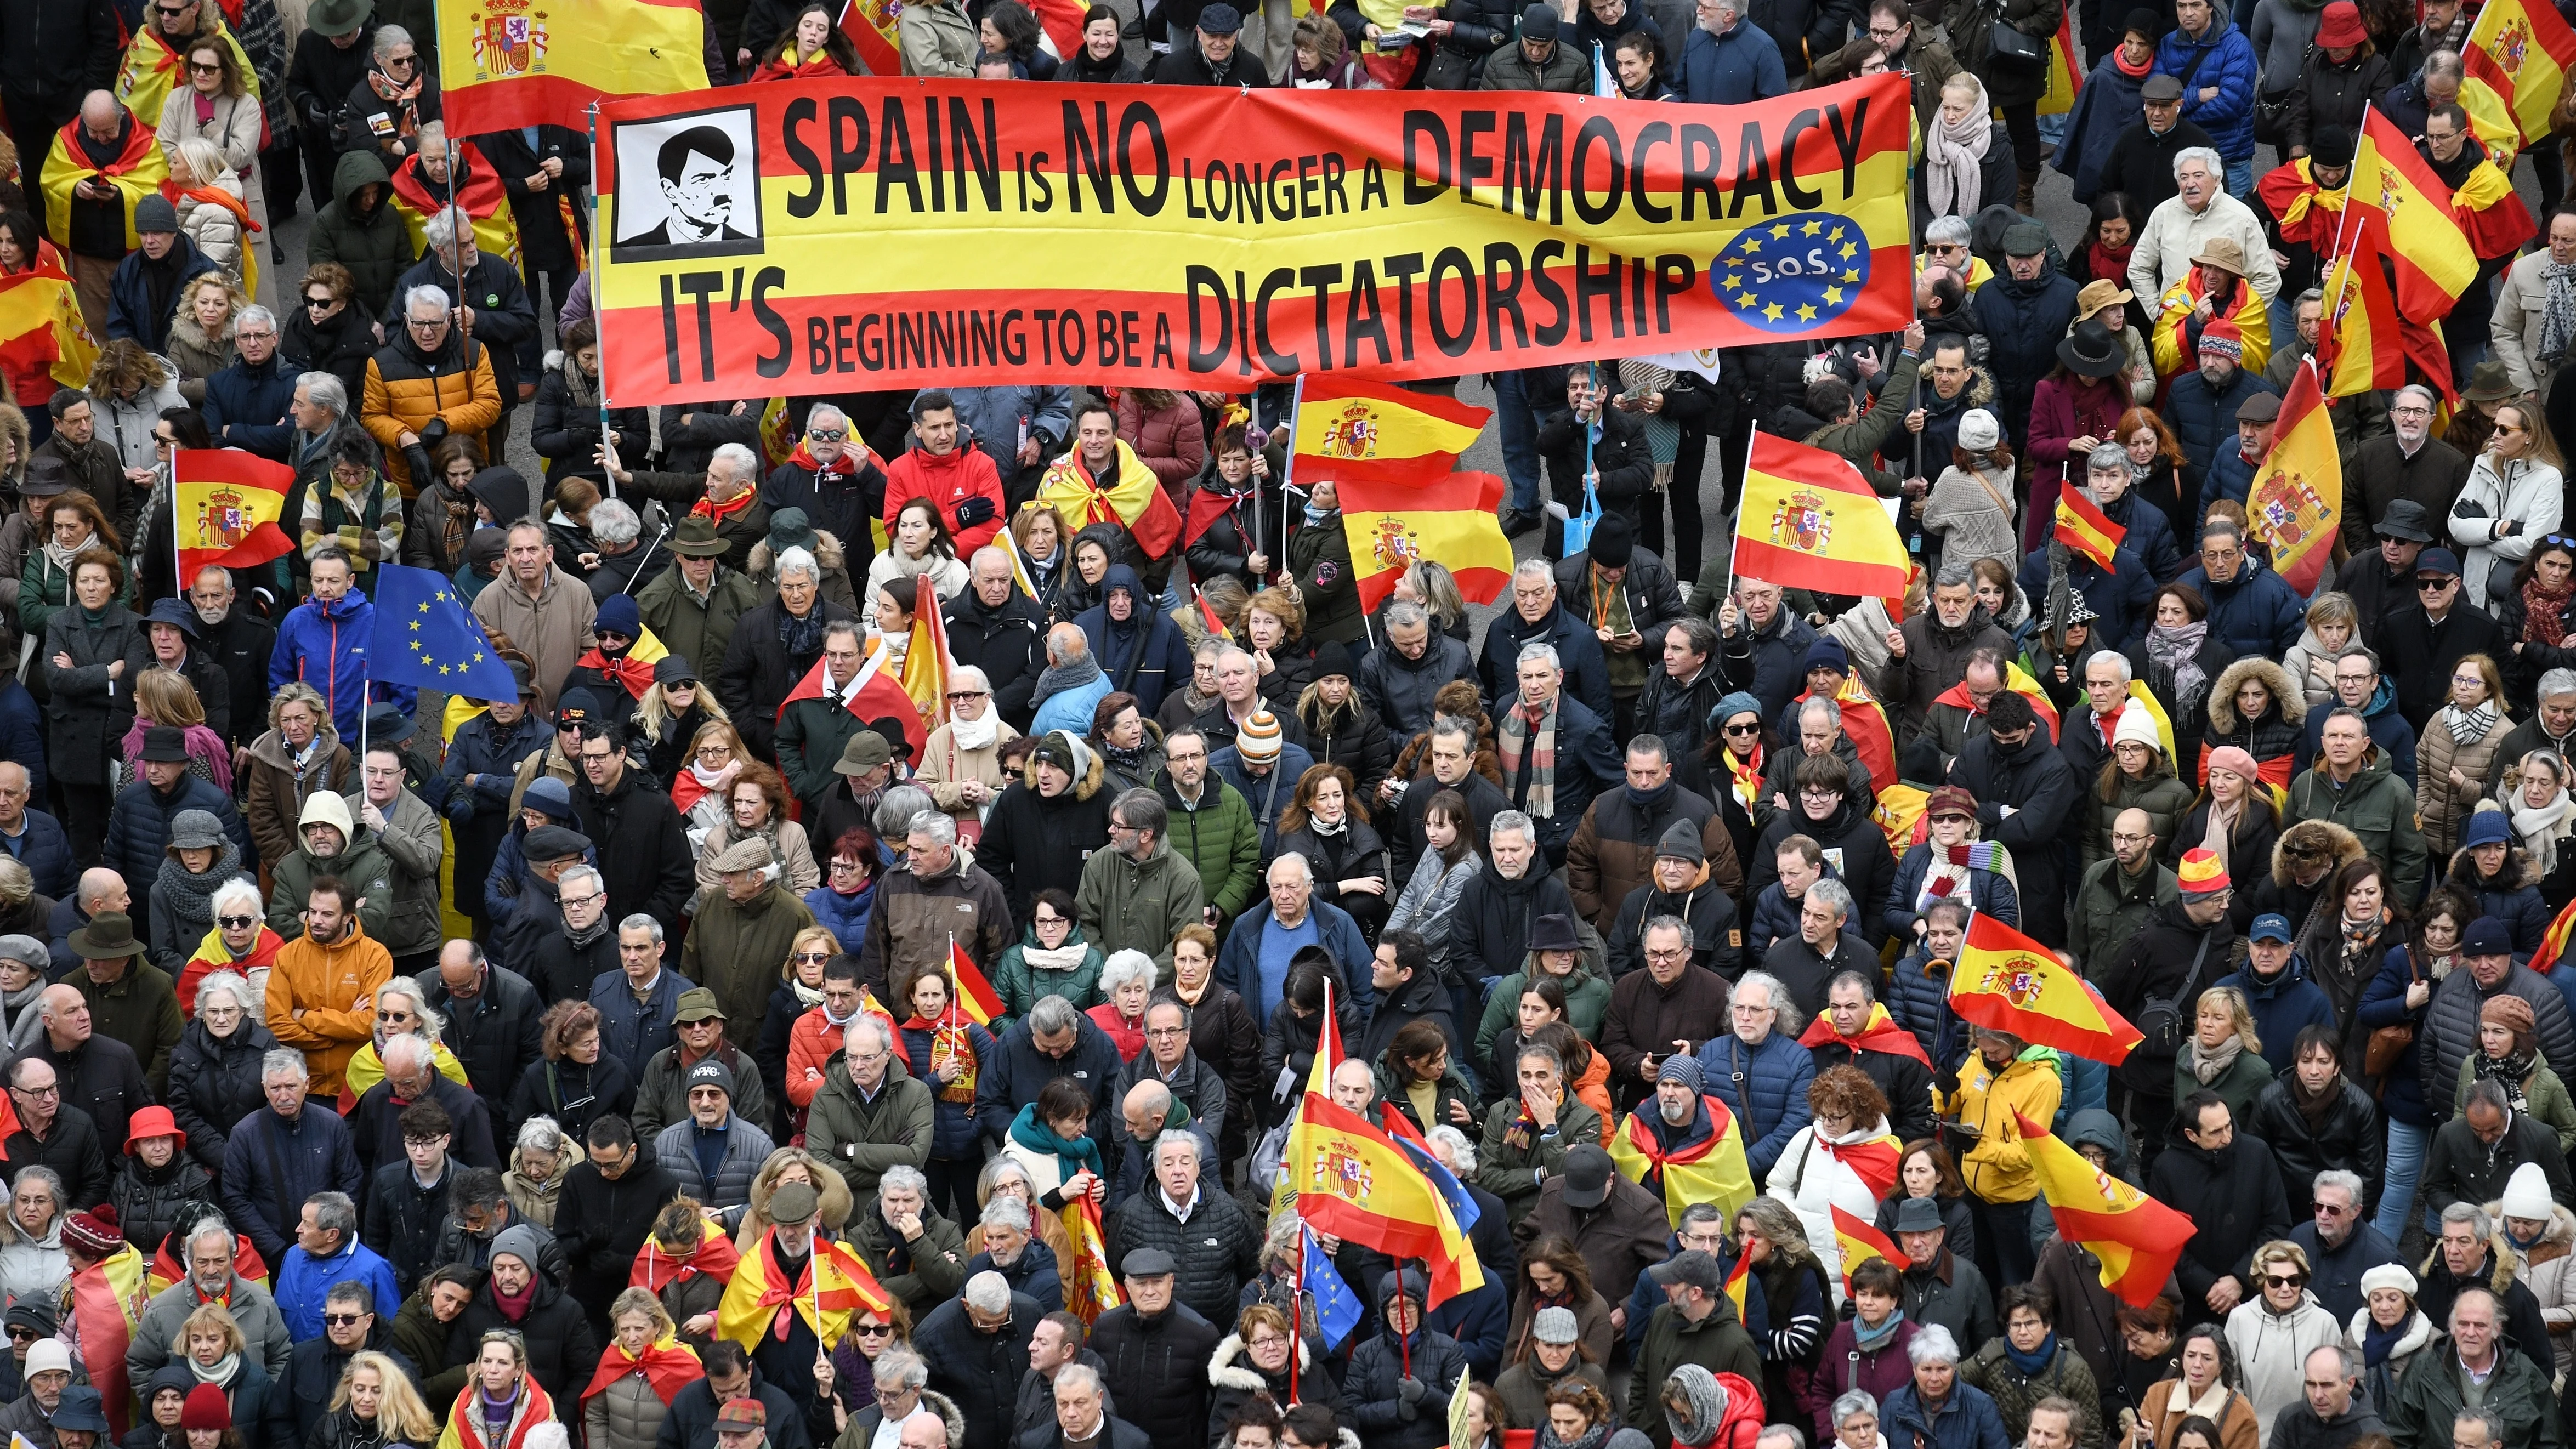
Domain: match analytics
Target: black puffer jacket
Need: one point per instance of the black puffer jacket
(1972, 25)
(562, 1352)
(979, 1371)
(2333, 95)
(1214, 1254)
(1033, 841)
(214, 1083)
(149, 1202)
(1156, 1368)
(2350, 1138)
(1355, 739)
(1372, 1388)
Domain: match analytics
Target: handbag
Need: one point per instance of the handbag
(2159, 1022)
(1448, 71)
(2013, 48)
(2388, 1043)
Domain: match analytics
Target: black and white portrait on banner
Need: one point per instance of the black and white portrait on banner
(688, 186)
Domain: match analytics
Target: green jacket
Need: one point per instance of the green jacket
(1510, 1163)
(934, 1268)
(697, 632)
(2109, 909)
(1717, 1343)
(1587, 1001)
(861, 1138)
(1126, 904)
(140, 1009)
(2548, 1098)
(375, 248)
(2242, 1082)
(2165, 799)
(1875, 427)
(2377, 806)
(811, 736)
(2016, 1393)
(2517, 1393)
(1221, 839)
(363, 864)
(1022, 982)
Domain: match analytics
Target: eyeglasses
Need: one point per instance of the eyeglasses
(236, 923)
(1166, 1033)
(956, 695)
(2276, 1280)
(343, 1320)
(426, 324)
(874, 1330)
(38, 1092)
(1946, 819)
(594, 895)
(826, 435)
(401, 60)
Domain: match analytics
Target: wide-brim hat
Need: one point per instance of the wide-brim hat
(336, 18)
(2222, 252)
(2091, 351)
(2099, 293)
(47, 477)
(2405, 519)
(107, 937)
(2489, 382)
(696, 538)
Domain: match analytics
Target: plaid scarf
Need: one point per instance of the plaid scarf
(1528, 740)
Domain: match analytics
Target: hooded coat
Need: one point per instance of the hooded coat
(1034, 841)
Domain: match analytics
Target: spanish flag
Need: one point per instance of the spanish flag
(1345, 428)
(1353, 1182)
(2553, 942)
(666, 1365)
(106, 1301)
(2019, 681)
(484, 202)
(228, 503)
(2523, 52)
(1453, 517)
(1713, 1169)
(656, 1267)
(2360, 330)
(137, 172)
(2009, 982)
(152, 70)
(973, 994)
(2296, 505)
(2492, 213)
(834, 1285)
(41, 328)
(1133, 499)
(2145, 698)
(2175, 347)
(2065, 77)
(1859, 1241)
(1865, 720)
(502, 66)
(1808, 520)
(1879, 1033)
(2393, 186)
(778, 438)
(875, 697)
(926, 665)
(872, 27)
(1090, 1289)
(2085, 528)
(2137, 1238)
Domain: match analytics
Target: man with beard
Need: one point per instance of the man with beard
(944, 896)
(2117, 895)
(661, 1097)
(144, 293)
(836, 481)
(1929, 652)
(1675, 1119)
(240, 642)
(481, 769)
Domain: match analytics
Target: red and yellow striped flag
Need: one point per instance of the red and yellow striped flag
(1347, 428)
(2085, 528)
(2137, 1238)
(1453, 517)
(1859, 1242)
(2019, 681)
(1134, 499)
(926, 664)
(973, 994)
(2296, 504)
(228, 507)
(502, 66)
(870, 24)
(41, 328)
(137, 172)
(1810, 521)
(2065, 76)
(2393, 185)
(834, 1285)
(2359, 337)
(2523, 52)
(2008, 982)
(2553, 942)
(1713, 1169)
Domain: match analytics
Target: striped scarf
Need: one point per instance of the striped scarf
(1747, 775)
(1528, 738)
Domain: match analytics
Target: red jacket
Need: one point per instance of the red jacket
(1172, 442)
(949, 480)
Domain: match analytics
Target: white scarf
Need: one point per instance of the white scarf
(975, 734)
(1954, 158)
(2538, 828)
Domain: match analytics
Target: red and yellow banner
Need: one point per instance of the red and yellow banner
(834, 1285)
(1453, 517)
(2523, 52)
(1090, 1289)
(1865, 720)
(2085, 528)
(503, 64)
(152, 70)
(2008, 982)
(2553, 942)
(1859, 1242)
(2296, 504)
(137, 172)
(229, 504)
(42, 333)
(2137, 1238)
(2395, 187)
(1810, 521)
(1219, 237)
(485, 202)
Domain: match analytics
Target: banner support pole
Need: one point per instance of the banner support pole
(1287, 480)
(599, 314)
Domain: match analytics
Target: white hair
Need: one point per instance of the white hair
(1947, 231)
(2420, 390)
(389, 36)
(743, 461)
(325, 390)
(1508, 822)
(1176, 1137)
(240, 891)
(1124, 967)
(439, 232)
(283, 1061)
(869, 1025)
(2115, 659)
(815, 415)
(2208, 159)
(988, 1292)
(612, 521)
(432, 1024)
(1536, 650)
(1453, 1149)
(434, 296)
(790, 560)
(542, 1133)
(255, 313)
(902, 1178)
(231, 983)
(1304, 866)
(1932, 1344)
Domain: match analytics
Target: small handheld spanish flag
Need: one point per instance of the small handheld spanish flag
(2085, 528)
(1861, 1241)
(2006, 981)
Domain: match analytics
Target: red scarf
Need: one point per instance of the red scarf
(2542, 619)
(949, 1042)
(1879, 1033)
(213, 196)
(1953, 856)
(514, 1306)
(779, 67)
(626, 669)
(656, 1268)
(1747, 774)
(2120, 58)
(722, 513)
(853, 453)
(668, 1367)
(2110, 263)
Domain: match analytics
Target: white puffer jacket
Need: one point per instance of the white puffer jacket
(215, 229)
(1815, 1176)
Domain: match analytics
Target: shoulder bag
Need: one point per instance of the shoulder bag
(2159, 1023)
(2388, 1043)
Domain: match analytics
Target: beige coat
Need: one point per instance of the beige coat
(2174, 235)
(944, 767)
(235, 132)
(2549, 1271)
(794, 866)
(938, 40)
(2514, 327)
(2445, 808)
(552, 629)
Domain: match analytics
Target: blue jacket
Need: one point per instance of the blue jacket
(130, 312)
(2123, 599)
(2388, 730)
(1009, 1079)
(44, 850)
(2230, 476)
(510, 869)
(1149, 632)
(1587, 766)
(138, 827)
(993, 415)
(2205, 424)
(1035, 1274)
(1070, 710)
(952, 1132)
(22, 738)
(492, 752)
(1989, 893)
(2283, 1007)
(271, 1168)
(250, 400)
(846, 917)
(325, 645)
(304, 1281)
(1968, 1420)
(2226, 64)
(2108, 105)
(1771, 1099)
(2150, 536)
(1481, 1323)
(2510, 897)
(2254, 613)
(2083, 1086)
(1920, 1003)
(1728, 70)
(1238, 964)
(631, 1033)
(2383, 1003)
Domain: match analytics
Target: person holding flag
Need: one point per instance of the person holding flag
(1399, 1379)
(794, 1294)
(2002, 1082)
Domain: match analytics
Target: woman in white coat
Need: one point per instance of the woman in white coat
(1845, 1158)
(217, 105)
(2512, 501)
(32, 1261)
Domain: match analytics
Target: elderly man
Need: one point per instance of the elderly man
(1697, 1325)
(2472, 1370)
(149, 283)
(833, 478)
(490, 303)
(1072, 686)
(2024, 314)
(714, 1151)
(2141, 160)
(932, 1264)
(1762, 644)
(103, 209)
(32, 837)
(209, 1252)
(2202, 209)
(2355, 785)
(1538, 616)
(815, 729)
(327, 1252)
(1052, 1041)
(994, 628)
(412, 385)
(2464, 1259)
(1759, 1070)
(2251, 610)
(247, 404)
(1529, 1129)
(693, 605)
(284, 1154)
(2121, 597)
(873, 1114)
(1148, 1345)
(1082, 1418)
(1401, 679)
(1929, 652)
(1578, 765)
(2475, 1154)
(97, 1073)
(350, 1326)
(1727, 61)
(749, 922)
(411, 1075)
(943, 894)
(2426, 638)
(2408, 462)
(979, 1348)
(2527, 342)
(2341, 1243)
(701, 1034)
(1254, 961)
(1184, 1213)
(2383, 577)
(544, 611)
(2328, 1416)
(53, 1135)
(1139, 891)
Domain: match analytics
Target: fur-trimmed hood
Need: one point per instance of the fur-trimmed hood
(2312, 834)
(2517, 872)
(827, 552)
(2556, 1241)
(1084, 788)
(2287, 695)
(1230, 1367)
(2419, 1329)
(14, 433)
(946, 1408)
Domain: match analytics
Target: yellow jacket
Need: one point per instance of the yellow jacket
(1998, 1168)
(326, 983)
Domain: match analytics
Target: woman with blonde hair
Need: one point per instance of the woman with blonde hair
(212, 1346)
(129, 388)
(961, 764)
(164, 696)
(212, 213)
(574, 1082)
(2277, 1326)
(666, 720)
(795, 1164)
(1429, 583)
(640, 1371)
(702, 792)
(756, 807)
(686, 1261)
(2224, 1053)
(501, 1400)
(2456, 752)
(1795, 1285)
(201, 332)
(298, 755)
(2333, 631)
(2513, 499)
(1274, 630)
(375, 1407)
(218, 106)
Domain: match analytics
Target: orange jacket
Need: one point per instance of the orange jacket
(1592, 1089)
(327, 983)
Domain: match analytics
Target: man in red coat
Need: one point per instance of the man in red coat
(961, 481)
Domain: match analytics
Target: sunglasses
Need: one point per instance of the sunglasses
(818, 957)
(317, 303)
(2433, 586)
(236, 923)
(1744, 729)
(825, 435)
(2275, 1280)
(874, 1330)
(342, 1320)
(196, 69)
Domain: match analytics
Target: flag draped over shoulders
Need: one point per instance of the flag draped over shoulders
(42, 332)
(833, 1285)
(1132, 498)
(1712, 1169)
(137, 172)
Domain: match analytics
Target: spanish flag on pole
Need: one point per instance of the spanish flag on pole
(1860, 1240)
(834, 1285)
(228, 505)
(2523, 52)
(483, 199)
(2008, 982)
(41, 328)
(2359, 337)
(973, 994)
(2085, 528)
(1810, 521)
(2137, 1238)
(1345, 428)
(504, 64)
(2394, 186)
(1712, 1169)
(2296, 504)
(1453, 517)
(2553, 942)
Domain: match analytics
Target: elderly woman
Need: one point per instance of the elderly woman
(1130, 745)
(1257, 1362)
(299, 756)
(215, 1068)
(799, 990)
(207, 194)
(197, 862)
(2456, 752)
(961, 764)
(573, 1084)
(543, 1154)
(32, 1262)
(756, 806)
(2389, 1330)
(2272, 1333)
(640, 1371)
(22, 980)
(212, 1344)
(2224, 1053)
(1950, 863)
(1274, 631)
(1934, 1392)
(2534, 792)
(2030, 1363)
(1126, 984)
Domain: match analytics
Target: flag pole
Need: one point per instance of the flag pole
(599, 315)
(648, 557)
(1287, 478)
(1735, 539)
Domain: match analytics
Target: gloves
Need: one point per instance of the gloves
(1408, 1399)
(974, 510)
(416, 457)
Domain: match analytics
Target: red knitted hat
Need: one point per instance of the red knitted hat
(207, 1408)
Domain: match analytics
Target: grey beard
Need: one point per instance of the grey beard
(1674, 1113)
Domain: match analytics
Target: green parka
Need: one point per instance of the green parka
(2377, 807)
(862, 1138)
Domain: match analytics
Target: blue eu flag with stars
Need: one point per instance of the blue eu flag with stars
(425, 637)
(1337, 1312)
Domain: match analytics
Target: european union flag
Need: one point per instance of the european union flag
(1336, 1311)
(425, 637)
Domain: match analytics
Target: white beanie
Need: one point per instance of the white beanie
(2138, 726)
(2526, 1193)
(2388, 1275)
(47, 1354)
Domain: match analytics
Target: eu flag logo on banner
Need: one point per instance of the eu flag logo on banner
(425, 638)
(1336, 1311)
